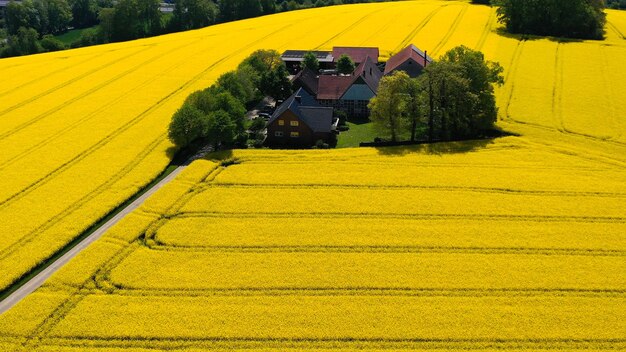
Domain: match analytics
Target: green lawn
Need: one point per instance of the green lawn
(358, 132)
(71, 36)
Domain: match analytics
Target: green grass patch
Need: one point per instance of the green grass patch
(71, 36)
(358, 132)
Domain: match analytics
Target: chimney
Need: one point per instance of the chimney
(425, 58)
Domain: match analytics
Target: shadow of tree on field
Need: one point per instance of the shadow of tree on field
(501, 31)
(439, 148)
(448, 147)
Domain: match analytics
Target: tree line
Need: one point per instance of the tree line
(584, 19)
(216, 115)
(29, 26)
(453, 99)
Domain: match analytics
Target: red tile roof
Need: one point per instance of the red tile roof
(410, 52)
(334, 87)
(357, 54)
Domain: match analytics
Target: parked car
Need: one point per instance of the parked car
(268, 109)
(265, 115)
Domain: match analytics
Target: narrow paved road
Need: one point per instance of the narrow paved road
(40, 278)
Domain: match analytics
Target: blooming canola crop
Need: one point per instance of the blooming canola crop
(515, 243)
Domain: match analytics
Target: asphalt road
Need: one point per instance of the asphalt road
(40, 278)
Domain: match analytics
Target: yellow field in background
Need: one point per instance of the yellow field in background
(516, 243)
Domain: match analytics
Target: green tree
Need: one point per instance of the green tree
(239, 84)
(482, 75)
(311, 62)
(49, 43)
(25, 42)
(135, 19)
(345, 65)
(106, 28)
(276, 83)
(248, 8)
(415, 106)
(59, 16)
(221, 129)
(262, 62)
(562, 18)
(269, 6)
(21, 15)
(190, 14)
(84, 13)
(389, 108)
(188, 124)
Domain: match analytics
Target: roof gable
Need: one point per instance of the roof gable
(408, 53)
(304, 106)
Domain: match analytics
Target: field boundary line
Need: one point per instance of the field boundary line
(590, 252)
(175, 292)
(252, 343)
(563, 193)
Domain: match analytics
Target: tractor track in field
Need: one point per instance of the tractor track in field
(330, 343)
(488, 28)
(89, 116)
(62, 85)
(124, 127)
(35, 80)
(21, 292)
(407, 40)
(342, 32)
(451, 30)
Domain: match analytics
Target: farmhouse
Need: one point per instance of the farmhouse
(299, 122)
(410, 60)
(352, 93)
(307, 116)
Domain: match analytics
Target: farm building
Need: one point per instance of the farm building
(352, 93)
(357, 54)
(293, 59)
(328, 59)
(299, 122)
(410, 60)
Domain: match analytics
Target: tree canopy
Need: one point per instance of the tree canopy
(560, 18)
(345, 65)
(310, 61)
(453, 99)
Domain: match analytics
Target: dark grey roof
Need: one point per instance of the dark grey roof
(298, 55)
(307, 79)
(307, 109)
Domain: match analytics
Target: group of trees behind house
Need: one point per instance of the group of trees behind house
(29, 25)
(583, 19)
(216, 115)
(453, 99)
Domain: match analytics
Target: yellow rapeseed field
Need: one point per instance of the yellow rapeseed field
(516, 243)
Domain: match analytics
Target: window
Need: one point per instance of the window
(294, 123)
(295, 134)
(281, 122)
(278, 133)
